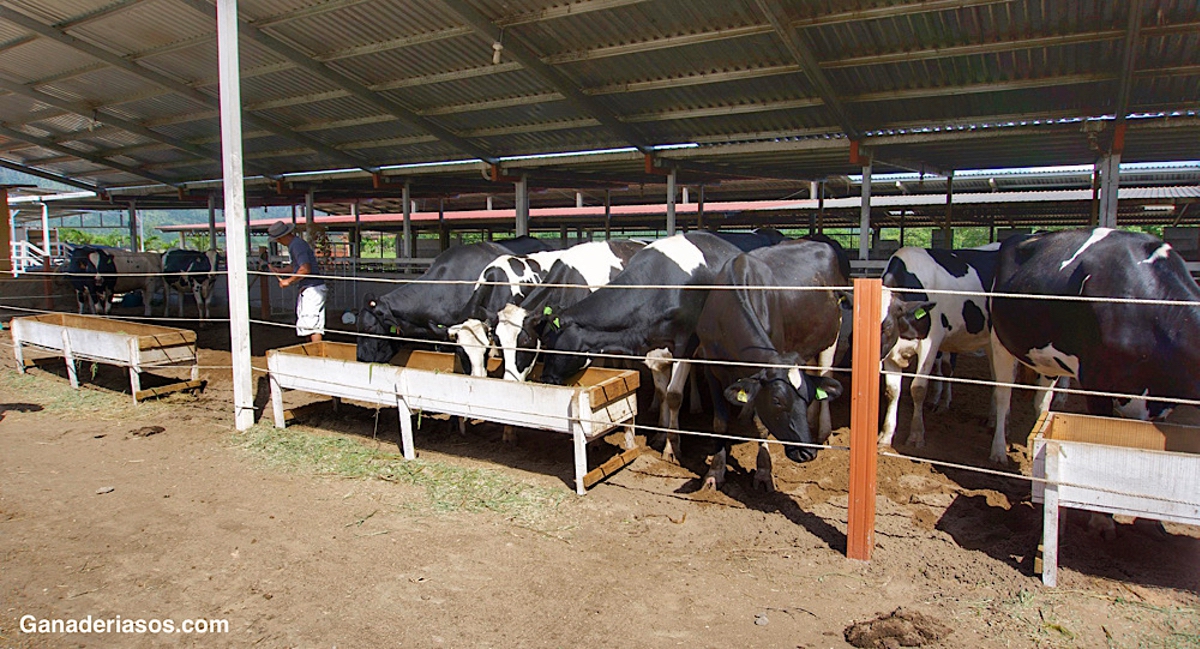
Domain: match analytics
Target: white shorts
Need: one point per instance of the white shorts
(310, 311)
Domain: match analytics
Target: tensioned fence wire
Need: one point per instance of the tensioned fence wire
(699, 361)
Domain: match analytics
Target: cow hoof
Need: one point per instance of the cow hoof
(764, 481)
(710, 484)
(668, 455)
(509, 436)
(1001, 461)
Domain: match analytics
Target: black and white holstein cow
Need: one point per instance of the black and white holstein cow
(426, 307)
(1147, 350)
(191, 271)
(922, 325)
(508, 280)
(98, 273)
(655, 317)
(744, 328)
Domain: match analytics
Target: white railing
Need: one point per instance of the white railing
(26, 255)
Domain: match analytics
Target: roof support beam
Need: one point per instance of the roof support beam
(526, 57)
(568, 9)
(164, 81)
(1128, 59)
(803, 55)
(893, 11)
(358, 90)
(104, 162)
(46, 175)
(108, 118)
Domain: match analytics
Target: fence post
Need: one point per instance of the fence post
(864, 418)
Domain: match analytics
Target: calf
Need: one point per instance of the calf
(426, 307)
(744, 328)
(97, 273)
(1146, 350)
(191, 271)
(921, 325)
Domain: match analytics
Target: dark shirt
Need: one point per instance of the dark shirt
(301, 254)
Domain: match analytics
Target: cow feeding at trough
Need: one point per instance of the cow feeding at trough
(759, 337)
(1110, 339)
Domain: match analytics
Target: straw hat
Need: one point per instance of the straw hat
(279, 229)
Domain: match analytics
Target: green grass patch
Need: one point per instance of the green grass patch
(448, 488)
(55, 395)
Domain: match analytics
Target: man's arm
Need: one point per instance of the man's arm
(304, 269)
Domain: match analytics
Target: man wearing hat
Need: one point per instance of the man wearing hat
(310, 301)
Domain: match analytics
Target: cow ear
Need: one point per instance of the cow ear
(742, 392)
(914, 320)
(823, 388)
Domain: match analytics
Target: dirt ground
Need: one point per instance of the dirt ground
(202, 522)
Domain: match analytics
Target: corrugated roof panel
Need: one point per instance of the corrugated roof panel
(100, 87)
(39, 59)
(145, 25)
(283, 85)
(379, 21)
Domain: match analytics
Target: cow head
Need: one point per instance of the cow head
(780, 397)
(903, 319)
(557, 333)
(517, 335)
(375, 319)
(473, 339)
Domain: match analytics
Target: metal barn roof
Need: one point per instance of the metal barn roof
(121, 95)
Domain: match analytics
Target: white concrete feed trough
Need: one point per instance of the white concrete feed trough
(597, 401)
(1114, 466)
(139, 347)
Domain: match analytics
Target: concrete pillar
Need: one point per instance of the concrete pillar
(864, 221)
(212, 221)
(522, 192)
(407, 246)
(6, 265)
(671, 203)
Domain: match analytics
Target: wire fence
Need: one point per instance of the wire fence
(9, 307)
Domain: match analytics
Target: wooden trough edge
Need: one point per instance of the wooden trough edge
(168, 389)
(611, 466)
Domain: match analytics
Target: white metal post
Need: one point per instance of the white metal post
(235, 211)
(864, 223)
(1110, 175)
(45, 237)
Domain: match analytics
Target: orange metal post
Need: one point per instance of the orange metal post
(864, 418)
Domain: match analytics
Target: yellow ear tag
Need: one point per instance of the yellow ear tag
(920, 313)
(822, 394)
(742, 397)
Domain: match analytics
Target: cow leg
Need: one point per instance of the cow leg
(763, 476)
(671, 406)
(695, 406)
(825, 363)
(509, 436)
(1004, 368)
(715, 477)
(926, 357)
(893, 382)
(1045, 395)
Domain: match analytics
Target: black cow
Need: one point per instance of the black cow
(97, 273)
(658, 322)
(510, 279)
(427, 306)
(921, 325)
(751, 327)
(191, 271)
(1134, 349)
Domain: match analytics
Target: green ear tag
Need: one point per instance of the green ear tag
(547, 310)
(556, 324)
(822, 394)
(742, 397)
(392, 330)
(920, 313)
